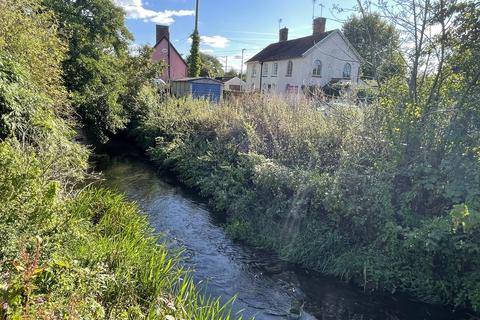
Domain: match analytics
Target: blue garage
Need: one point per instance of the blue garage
(200, 88)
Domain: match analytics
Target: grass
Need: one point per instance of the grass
(331, 187)
(91, 255)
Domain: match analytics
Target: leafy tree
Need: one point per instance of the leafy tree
(194, 60)
(93, 71)
(378, 43)
(231, 73)
(40, 55)
(140, 71)
(34, 109)
(210, 66)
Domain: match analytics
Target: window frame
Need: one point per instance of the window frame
(289, 69)
(254, 71)
(265, 70)
(347, 66)
(275, 69)
(317, 68)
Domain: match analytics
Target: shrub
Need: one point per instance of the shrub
(336, 189)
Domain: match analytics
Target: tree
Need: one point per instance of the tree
(378, 43)
(93, 71)
(194, 62)
(43, 54)
(210, 66)
(231, 73)
(140, 71)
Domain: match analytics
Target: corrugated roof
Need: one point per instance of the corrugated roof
(289, 49)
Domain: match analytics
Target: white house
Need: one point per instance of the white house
(233, 84)
(315, 61)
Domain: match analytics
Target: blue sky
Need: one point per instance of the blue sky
(228, 26)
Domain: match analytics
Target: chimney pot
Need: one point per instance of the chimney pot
(319, 25)
(283, 34)
(162, 31)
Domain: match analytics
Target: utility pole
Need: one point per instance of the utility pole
(226, 64)
(196, 15)
(241, 66)
(194, 63)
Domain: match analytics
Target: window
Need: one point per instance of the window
(265, 69)
(347, 70)
(254, 71)
(235, 87)
(275, 70)
(289, 68)
(317, 68)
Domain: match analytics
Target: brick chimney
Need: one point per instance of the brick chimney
(283, 34)
(162, 31)
(319, 25)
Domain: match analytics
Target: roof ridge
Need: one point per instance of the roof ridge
(289, 49)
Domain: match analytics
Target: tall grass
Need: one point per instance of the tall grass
(332, 187)
(91, 256)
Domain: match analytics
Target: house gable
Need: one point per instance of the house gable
(334, 33)
(165, 51)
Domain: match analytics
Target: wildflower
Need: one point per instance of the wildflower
(39, 300)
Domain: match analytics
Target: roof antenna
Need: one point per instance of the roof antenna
(321, 5)
(314, 4)
(280, 23)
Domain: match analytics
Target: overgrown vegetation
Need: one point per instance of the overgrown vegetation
(68, 252)
(385, 195)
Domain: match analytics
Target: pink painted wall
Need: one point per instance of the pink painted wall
(177, 65)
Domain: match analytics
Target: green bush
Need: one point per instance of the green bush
(70, 252)
(337, 191)
(92, 255)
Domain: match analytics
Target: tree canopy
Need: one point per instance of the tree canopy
(378, 43)
(98, 67)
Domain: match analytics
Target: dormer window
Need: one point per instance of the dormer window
(317, 68)
(289, 68)
(265, 70)
(347, 71)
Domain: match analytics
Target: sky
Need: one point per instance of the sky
(228, 26)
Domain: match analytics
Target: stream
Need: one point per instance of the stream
(265, 286)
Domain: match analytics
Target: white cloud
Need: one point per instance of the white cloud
(166, 17)
(206, 50)
(213, 41)
(136, 10)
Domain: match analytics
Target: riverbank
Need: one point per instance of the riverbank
(288, 178)
(89, 253)
(264, 285)
(69, 250)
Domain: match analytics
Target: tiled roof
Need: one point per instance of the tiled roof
(289, 49)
